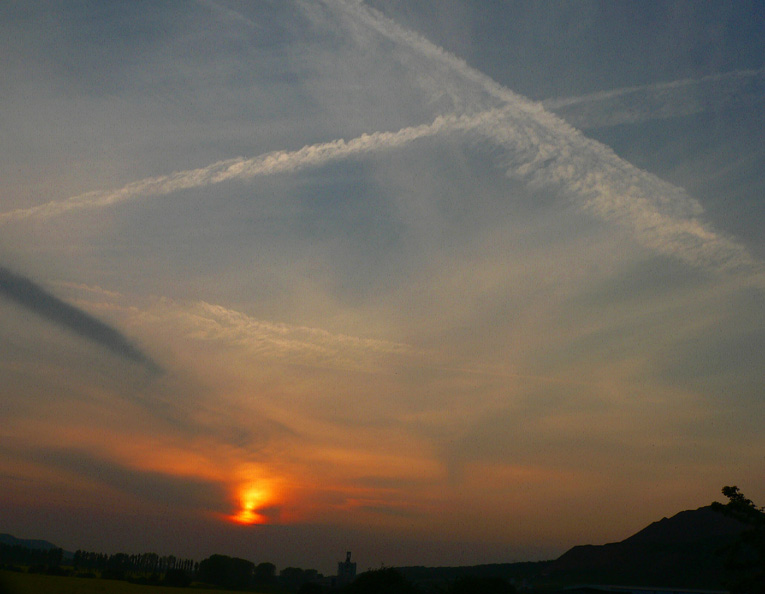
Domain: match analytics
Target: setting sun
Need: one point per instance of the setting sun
(252, 500)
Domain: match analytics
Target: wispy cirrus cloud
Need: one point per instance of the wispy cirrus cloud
(268, 341)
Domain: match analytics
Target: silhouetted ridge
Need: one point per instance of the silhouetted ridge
(682, 551)
(9, 540)
(689, 526)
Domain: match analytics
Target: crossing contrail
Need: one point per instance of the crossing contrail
(534, 145)
(545, 151)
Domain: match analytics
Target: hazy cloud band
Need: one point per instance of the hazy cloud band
(34, 298)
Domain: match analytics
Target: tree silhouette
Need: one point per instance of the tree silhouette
(481, 585)
(265, 573)
(229, 572)
(746, 556)
(294, 578)
(380, 581)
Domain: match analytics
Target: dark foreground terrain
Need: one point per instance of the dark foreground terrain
(716, 548)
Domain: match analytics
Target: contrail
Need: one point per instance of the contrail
(632, 105)
(31, 296)
(535, 145)
(244, 168)
(543, 150)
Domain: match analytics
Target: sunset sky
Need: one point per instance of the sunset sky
(440, 282)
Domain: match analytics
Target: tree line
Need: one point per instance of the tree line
(37, 558)
(224, 571)
(217, 570)
(143, 565)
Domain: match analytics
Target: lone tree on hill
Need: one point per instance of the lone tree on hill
(746, 556)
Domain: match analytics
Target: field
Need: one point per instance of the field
(31, 583)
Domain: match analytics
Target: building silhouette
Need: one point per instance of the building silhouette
(346, 570)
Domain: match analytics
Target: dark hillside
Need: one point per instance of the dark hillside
(9, 540)
(681, 551)
(689, 526)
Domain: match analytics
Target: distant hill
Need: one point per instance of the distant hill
(685, 550)
(689, 526)
(9, 540)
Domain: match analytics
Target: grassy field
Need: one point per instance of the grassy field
(32, 583)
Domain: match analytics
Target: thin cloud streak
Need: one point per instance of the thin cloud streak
(24, 292)
(633, 105)
(227, 14)
(279, 342)
(306, 346)
(300, 345)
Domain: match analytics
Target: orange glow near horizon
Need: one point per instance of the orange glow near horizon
(252, 499)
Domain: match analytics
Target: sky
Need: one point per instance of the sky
(439, 282)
